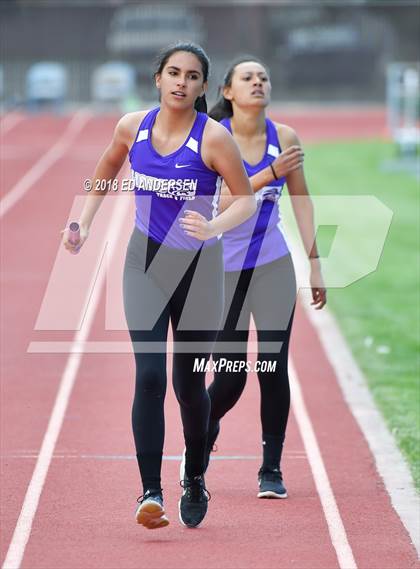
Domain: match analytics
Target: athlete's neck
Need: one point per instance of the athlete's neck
(248, 123)
(170, 122)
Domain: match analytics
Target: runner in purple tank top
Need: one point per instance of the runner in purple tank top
(174, 264)
(259, 274)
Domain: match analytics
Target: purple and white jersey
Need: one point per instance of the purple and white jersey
(259, 240)
(165, 186)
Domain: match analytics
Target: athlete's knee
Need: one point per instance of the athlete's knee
(150, 381)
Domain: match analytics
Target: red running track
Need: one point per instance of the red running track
(85, 515)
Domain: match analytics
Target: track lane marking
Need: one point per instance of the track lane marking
(389, 461)
(319, 472)
(29, 508)
(56, 151)
(9, 122)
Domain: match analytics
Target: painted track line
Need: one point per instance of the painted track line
(166, 457)
(389, 461)
(9, 122)
(23, 527)
(329, 505)
(76, 124)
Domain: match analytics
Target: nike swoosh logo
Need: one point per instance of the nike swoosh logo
(182, 165)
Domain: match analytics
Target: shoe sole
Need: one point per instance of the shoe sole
(152, 516)
(271, 494)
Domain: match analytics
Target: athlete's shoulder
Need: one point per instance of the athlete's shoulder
(131, 120)
(217, 145)
(287, 135)
(216, 133)
(127, 126)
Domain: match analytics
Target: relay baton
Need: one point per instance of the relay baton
(74, 233)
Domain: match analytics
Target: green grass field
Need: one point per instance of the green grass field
(384, 305)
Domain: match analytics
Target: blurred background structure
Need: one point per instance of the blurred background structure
(318, 51)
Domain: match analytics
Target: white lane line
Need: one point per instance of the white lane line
(390, 463)
(291, 455)
(329, 505)
(30, 504)
(9, 122)
(45, 162)
(175, 457)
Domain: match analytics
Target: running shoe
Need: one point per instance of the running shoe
(271, 484)
(193, 502)
(150, 512)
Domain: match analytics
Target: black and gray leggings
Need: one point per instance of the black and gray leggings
(162, 284)
(268, 292)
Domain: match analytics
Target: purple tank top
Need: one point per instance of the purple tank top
(165, 186)
(260, 239)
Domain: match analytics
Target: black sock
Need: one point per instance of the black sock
(150, 465)
(272, 449)
(195, 456)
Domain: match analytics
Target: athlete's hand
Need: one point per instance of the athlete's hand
(196, 225)
(289, 160)
(319, 292)
(74, 248)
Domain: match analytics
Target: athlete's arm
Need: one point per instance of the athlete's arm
(107, 169)
(304, 213)
(290, 159)
(220, 153)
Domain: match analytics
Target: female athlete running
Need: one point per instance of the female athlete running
(259, 273)
(174, 265)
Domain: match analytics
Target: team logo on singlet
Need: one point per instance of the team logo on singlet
(271, 193)
(175, 188)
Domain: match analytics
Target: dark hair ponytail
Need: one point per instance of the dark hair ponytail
(200, 104)
(223, 107)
